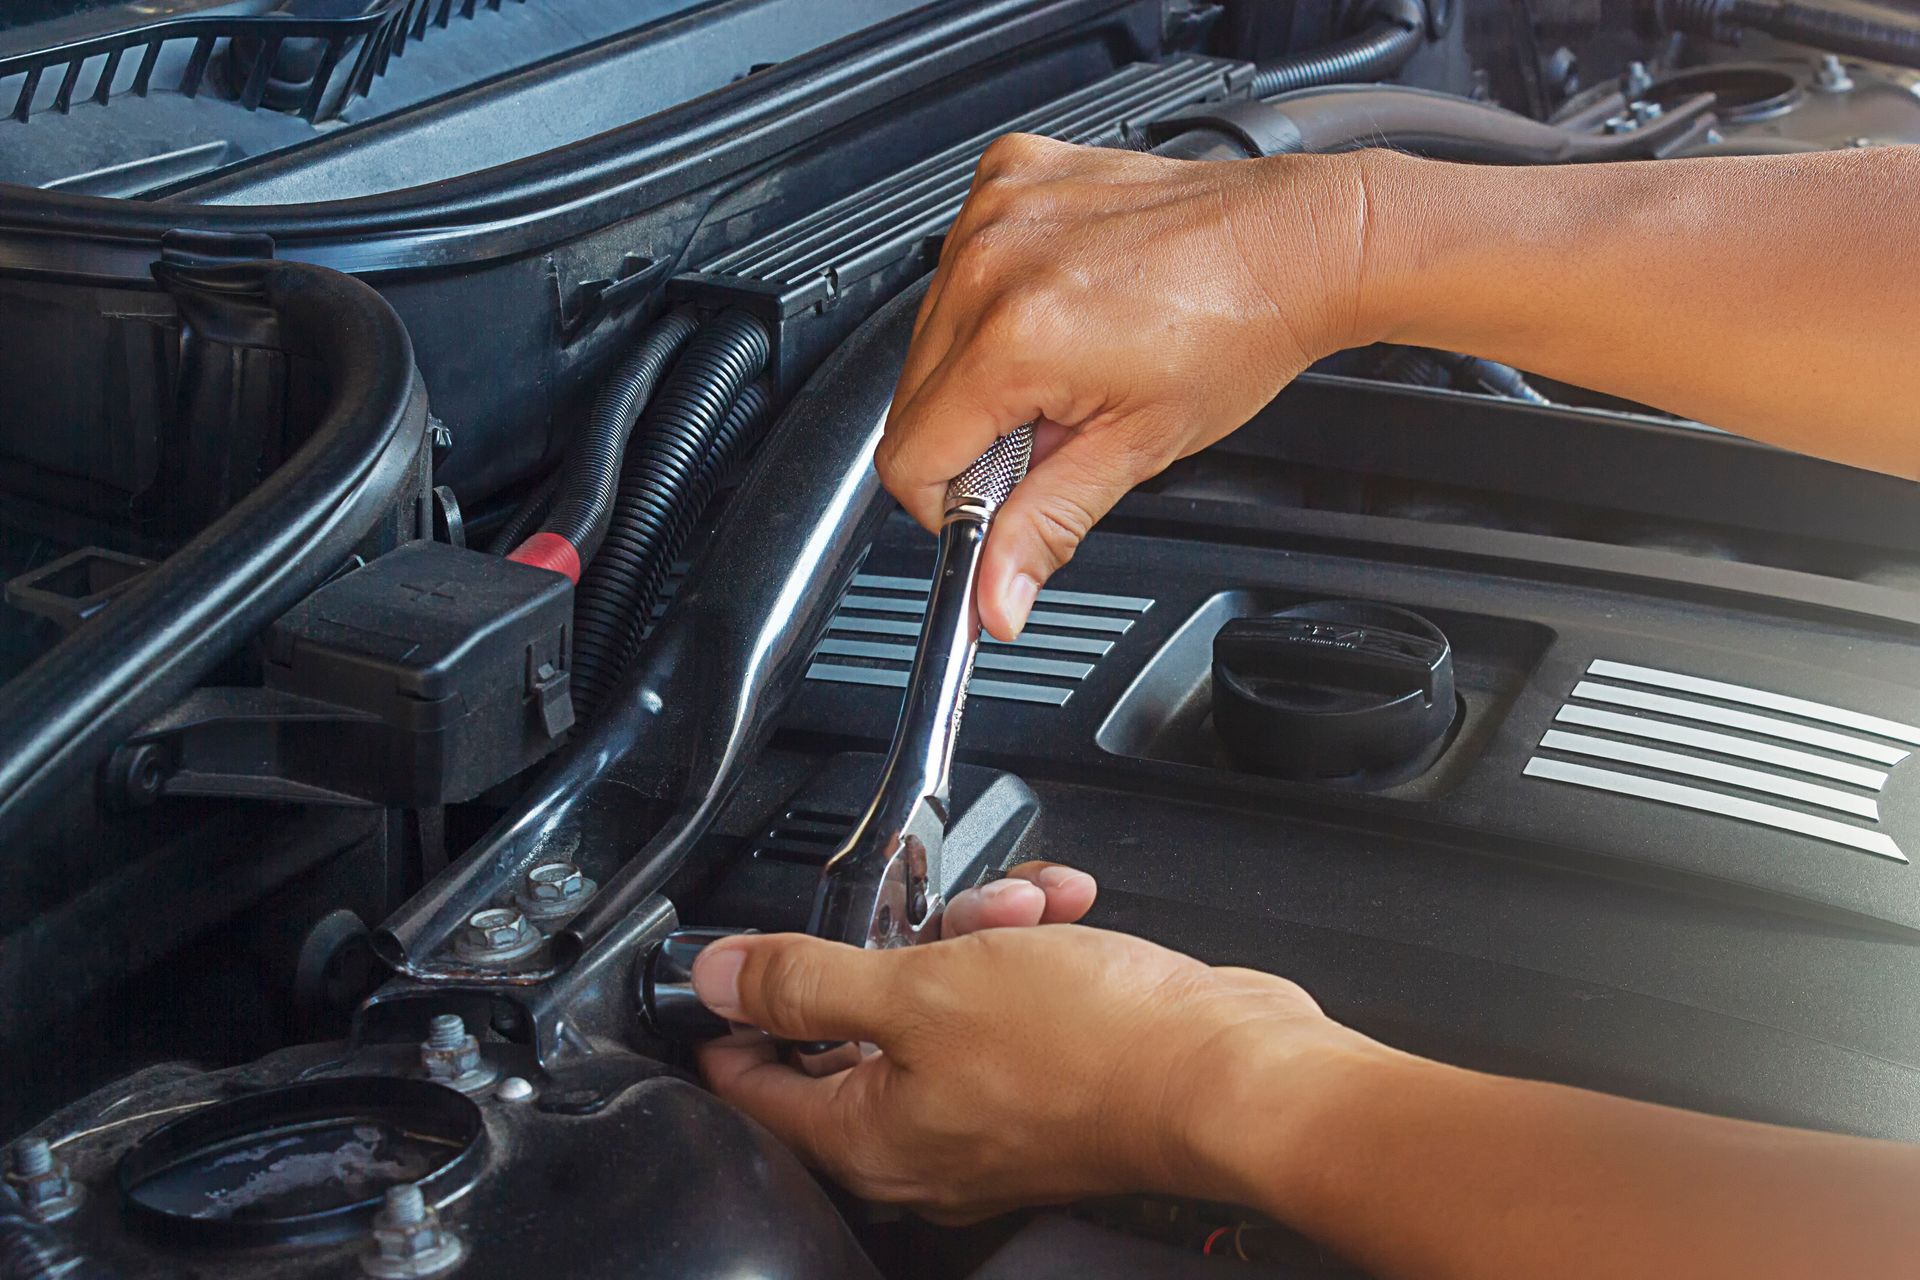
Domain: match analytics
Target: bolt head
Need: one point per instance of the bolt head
(450, 1064)
(497, 935)
(499, 928)
(556, 882)
(407, 1241)
(47, 1195)
(407, 1250)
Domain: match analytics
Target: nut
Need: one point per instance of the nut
(553, 890)
(1830, 75)
(450, 1056)
(408, 1240)
(555, 882)
(44, 1185)
(496, 936)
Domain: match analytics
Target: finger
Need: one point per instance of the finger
(793, 1106)
(979, 391)
(800, 987)
(1002, 904)
(932, 339)
(1046, 519)
(837, 1057)
(1070, 891)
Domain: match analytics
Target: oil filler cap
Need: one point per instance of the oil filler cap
(1335, 691)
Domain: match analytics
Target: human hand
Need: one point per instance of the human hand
(1029, 894)
(1135, 308)
(1016, 1065)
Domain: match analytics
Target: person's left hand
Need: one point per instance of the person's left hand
(1031, 893)
(1019, 1066)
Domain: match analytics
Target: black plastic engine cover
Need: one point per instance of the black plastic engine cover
(1664, 853)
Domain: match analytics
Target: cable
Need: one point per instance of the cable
(673, 465)
(1859, 30)
(572, 531)
(1395, 34)
(527, 516)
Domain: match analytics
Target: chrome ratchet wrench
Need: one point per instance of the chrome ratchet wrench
(881, 888)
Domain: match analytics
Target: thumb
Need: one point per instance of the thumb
(796, 986)
(1047, 517)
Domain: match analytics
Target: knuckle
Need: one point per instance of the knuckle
(1010, 153)
(1015, 319)
(1060, 522)
(983, 258)
(886, 457)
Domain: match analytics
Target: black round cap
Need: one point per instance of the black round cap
(1336, 690)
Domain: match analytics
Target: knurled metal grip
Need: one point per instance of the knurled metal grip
(980, 490)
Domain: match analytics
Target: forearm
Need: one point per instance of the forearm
(1776, 296)
(1414, 1169)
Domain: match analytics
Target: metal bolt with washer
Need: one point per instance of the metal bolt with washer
(450, 1056)
(408, 1240)
(43, 1183)
(498, 935)
(554, 890)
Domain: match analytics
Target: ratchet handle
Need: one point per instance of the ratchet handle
(855, 879)
(983, 488)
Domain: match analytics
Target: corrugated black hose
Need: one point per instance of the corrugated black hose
(1884, 33)
(591, 474)
(1393, 34)
(738, 434)
(1417, 366)
(527, 516)
(670, 473)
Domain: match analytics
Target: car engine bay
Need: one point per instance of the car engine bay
(443, 563)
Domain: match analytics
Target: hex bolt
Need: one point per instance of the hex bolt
(1830, 75)
(1636, 81)
(446, 1031)
(32, 1158)
(408, 1240)
(44, 1186)
(405, 1204)
(553, 890)
(498, 935)
(451, 1057)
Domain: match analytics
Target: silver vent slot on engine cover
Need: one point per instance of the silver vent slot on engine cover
(1788, 763)
(872, 636)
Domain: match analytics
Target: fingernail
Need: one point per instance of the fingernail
(1020, 596)
(998, 889)
(1060, 877)
(716, 979)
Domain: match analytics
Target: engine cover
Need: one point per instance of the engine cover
(1665, 850)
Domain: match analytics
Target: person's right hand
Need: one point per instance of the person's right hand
(1135, 308)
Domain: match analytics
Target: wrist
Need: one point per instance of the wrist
(1305, 237)
(1288, 1104)
(1405, 201)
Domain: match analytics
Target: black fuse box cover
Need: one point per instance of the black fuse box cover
(457, 661)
